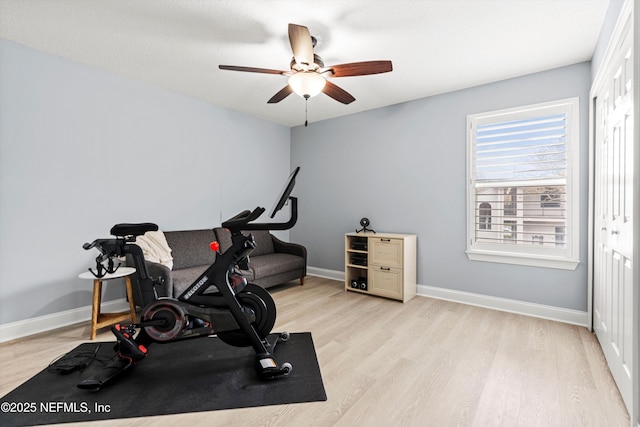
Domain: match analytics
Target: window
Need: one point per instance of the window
(485, 216)
(523, 185)
(551, 197)
(560, 241)
(510, 201)
(510, 231)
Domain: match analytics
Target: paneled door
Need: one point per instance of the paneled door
(613, 253)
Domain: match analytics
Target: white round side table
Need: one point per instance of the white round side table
(99, 319)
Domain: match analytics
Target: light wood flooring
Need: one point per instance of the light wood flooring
(423, 363)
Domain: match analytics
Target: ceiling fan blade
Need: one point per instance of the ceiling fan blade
(284, 92)
(360, 68)
(251, 69)
(338, 93)
(301, 44)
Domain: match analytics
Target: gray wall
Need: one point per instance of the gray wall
(404, 168)
(82, 149)
(610, 19)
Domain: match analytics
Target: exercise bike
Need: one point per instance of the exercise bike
(219, 302)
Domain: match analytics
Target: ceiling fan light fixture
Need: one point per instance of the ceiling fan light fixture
(307, 84)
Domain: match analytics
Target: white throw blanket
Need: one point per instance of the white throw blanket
(155, 248)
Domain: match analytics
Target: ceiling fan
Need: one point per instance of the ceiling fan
(307, 71)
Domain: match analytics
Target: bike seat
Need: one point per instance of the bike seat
(123, 230)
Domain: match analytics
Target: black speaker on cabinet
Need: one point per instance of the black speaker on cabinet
(359, 245)
(359, 259)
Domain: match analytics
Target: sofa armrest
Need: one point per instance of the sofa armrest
(289, 248)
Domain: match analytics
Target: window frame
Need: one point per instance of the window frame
(530, 255)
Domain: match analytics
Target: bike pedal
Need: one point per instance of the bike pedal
(128, 348)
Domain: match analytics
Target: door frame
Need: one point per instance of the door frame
(627, 12)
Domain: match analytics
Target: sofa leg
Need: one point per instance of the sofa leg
(301, 281)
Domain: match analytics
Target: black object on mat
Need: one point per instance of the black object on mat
(189, 376)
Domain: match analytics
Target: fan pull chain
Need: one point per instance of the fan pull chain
(306, 103)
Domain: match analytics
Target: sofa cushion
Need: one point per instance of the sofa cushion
(223, 236)
(184, 277)
(264, 243)
(271, 264)
(190, 248)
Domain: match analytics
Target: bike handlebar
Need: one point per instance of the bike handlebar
(95, 244)
(245, 213)
(100, 245)
(243, 218)
(242, 221)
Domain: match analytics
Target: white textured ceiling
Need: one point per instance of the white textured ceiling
(436, 46)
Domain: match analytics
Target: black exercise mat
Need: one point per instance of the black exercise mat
(201, 374)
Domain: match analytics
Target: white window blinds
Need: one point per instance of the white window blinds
(528, 149)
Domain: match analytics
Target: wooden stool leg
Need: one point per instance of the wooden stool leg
(132, 306)
(95, 311)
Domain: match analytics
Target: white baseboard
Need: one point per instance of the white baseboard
(36, 325)
(327, 274)
(573, 317)
(565, 315)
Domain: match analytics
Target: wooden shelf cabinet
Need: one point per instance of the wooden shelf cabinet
(382, 264)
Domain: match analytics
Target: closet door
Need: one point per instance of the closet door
(613, 287)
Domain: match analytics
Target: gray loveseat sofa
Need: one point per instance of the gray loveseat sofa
(272, 262)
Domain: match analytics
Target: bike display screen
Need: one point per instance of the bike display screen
(285, 193)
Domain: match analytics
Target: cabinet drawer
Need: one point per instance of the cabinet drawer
(385, 252)
(385, 281)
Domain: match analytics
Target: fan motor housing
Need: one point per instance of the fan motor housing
(317, 64)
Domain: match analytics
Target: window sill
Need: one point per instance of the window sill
(523, 259)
